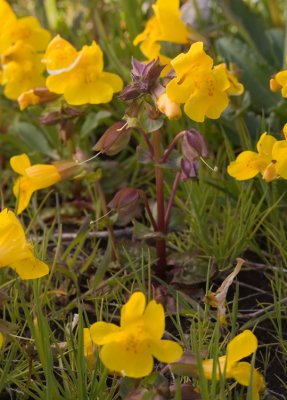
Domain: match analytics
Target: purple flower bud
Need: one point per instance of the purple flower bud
(189, 169)
(144, 76)
(193, 145)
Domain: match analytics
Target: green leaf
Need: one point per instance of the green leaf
(33, 138)
(255, 72)
(251, 27)
(92, 121)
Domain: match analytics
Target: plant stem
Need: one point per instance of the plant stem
(160, 243)
(172, 146)
(171, 199)
(109, 227)
(148, 142)
(147, 207)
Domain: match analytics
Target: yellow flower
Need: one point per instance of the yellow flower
(39, 95)
(28, 98)
(32, 178)
(1, 340)
(279, 81)
(165, 26)
(89, 348)
(236, 88)
(79, 76)
(15, 251)
(202, 88)
(22, 70)
(248, 163)
(129, 349)
(27, 30)
(6, 14)
(21, 43)
(60, 56)
(169, 108)
(243, 345)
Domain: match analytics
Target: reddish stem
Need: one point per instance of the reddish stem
(172, 146)
(160, 242)
(147, 207)
(171, 199)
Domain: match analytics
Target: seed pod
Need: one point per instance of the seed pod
(125, 201)
(114, 140)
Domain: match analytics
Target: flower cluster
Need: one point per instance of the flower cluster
(229, 366)
(15, 251)
(202, 87)
(79, 75)
(129, 349)
(270, 160)
(22, 45)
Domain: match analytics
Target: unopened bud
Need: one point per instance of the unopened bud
(114, 140)
(36, 96)
(270, 172)
(189, 169)
(144, 76)
(193, 145)
(274, 85)
(168, 107)
(125, 201)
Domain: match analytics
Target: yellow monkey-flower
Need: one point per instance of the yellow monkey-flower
(243, 345)
(32, 178)
(129, 349)
(15, 251)
(270, 161)
(202, 88)
(79, 76)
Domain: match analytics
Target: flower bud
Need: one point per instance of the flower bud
(270, 172)
(125, 201)
(114, 140)
(193, 145)
(189, 169)
(36, 96)
(274, 85)
(144, 77)
(168, 107)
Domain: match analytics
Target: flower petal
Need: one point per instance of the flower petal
(89, 348)
(208, 366)
(241, 372)
(103, 332)
(118, 358)
(20, 163)
(265, 145)
(133, 309)
(80, 92)
(246, 166)
(30, 268)
(166, 351)
(23, 191)
(113, 80)
(240, 347)
(154, 319)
